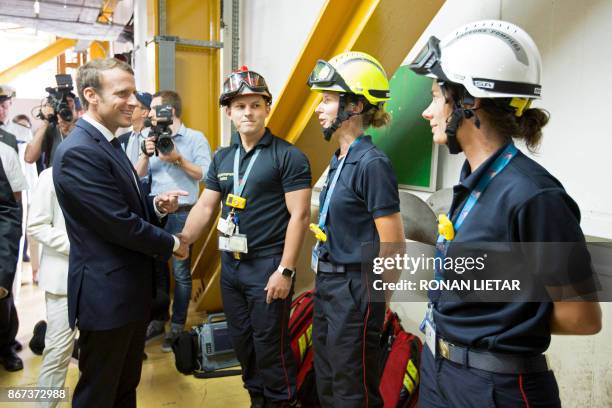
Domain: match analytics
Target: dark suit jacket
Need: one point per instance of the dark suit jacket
(113, 241)
(124, 139)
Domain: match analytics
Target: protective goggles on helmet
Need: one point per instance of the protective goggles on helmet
(236, 81)
(325, 75)
(428, 60)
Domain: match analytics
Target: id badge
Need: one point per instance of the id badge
(235, 243)
(238, 243)
(226, 226)
(430, 337)
(314, 259)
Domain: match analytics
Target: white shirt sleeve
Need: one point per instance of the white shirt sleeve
(12, 168)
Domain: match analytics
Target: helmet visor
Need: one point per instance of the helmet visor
(325, 75)
(249, 78)
(428, 60)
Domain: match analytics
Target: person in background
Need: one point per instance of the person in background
(12, 183)
(184, 167)
(131, 142)
(47, 226)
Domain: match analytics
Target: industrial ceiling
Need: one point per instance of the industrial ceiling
(76, 19)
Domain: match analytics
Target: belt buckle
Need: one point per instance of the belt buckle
(236, 255)
(444, 349)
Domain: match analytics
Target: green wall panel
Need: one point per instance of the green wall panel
(408, 140)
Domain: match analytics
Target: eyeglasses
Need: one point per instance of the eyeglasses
(324, 75)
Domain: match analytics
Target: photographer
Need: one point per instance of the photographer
(58, 116)
(131, 141)
(177, 157)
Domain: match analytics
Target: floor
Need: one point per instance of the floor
(160, 386)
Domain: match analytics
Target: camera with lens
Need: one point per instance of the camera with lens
(160, 130)
(58, 99)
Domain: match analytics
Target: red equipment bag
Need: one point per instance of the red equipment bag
(400, 361)
(300, 333)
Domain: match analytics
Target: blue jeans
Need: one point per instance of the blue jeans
(182, 273)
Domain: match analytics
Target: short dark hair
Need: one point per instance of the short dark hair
(88, 75)
(17, 118)
(173, 99)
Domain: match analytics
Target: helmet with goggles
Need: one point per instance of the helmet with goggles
(488, 59)
(351, 73)
(244, 82)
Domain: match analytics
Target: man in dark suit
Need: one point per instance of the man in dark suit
(114, 240)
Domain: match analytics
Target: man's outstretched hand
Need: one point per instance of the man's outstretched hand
(168, 202)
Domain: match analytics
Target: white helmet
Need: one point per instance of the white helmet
(490, 58)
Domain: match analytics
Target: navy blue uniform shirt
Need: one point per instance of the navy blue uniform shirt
(523, 203)
(280, 168)
(366, 190)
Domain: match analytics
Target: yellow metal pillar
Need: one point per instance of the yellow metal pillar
(34, 60)
(192, 23)
(193, 28)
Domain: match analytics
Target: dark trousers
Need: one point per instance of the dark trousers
(258, 330)
(346, 341)
(110, 362)
(9, 322)
(447, 384)
(161, 301)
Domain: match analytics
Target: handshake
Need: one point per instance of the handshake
(182, 251)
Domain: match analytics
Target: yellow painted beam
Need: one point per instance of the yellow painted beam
(106, 11)
(386, 29)
(36, 59)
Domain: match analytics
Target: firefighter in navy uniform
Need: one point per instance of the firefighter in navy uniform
(490, 353)
(359, 204)
(264, 185)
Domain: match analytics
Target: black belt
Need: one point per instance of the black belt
(328, 267)
(184, 208)
(493, 362)
(262, 253)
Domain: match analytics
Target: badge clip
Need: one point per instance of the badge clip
(235, 201)
(445, 227)
(318, 232)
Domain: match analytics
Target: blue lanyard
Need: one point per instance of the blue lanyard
(496, 167)
(332, 186)
(239, 184)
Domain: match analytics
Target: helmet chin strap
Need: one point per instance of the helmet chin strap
(341, 117)
(454, 122)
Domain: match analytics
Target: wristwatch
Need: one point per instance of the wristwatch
(289, 273)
